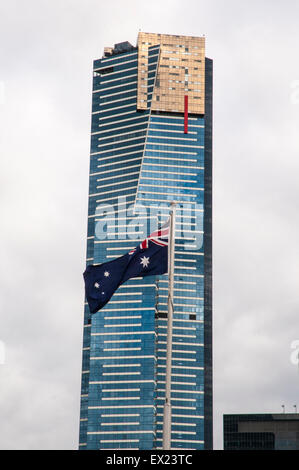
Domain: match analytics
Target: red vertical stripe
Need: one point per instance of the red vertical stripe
(186, 114)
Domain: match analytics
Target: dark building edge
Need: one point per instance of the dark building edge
(85, 361)
(208, 302)
(235, 440)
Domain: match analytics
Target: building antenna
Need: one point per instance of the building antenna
(295, 408)
(283, 408)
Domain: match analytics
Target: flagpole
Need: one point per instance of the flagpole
(167, 404)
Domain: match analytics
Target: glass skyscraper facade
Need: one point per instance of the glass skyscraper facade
(271, 431)
(151, 144)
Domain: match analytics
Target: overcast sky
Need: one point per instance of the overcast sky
(47, 48)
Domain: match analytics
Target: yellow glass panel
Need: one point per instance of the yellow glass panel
(180, 72)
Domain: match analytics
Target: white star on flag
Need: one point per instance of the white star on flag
(97, 285)
(144, 261)
(106, 274)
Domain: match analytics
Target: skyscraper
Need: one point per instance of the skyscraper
(151, 144)
(270, 431)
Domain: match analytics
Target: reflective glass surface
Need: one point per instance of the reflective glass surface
(145, 159)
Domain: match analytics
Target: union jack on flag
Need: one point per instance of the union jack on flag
(159, 237)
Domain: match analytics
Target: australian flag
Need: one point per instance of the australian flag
(147, 259)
